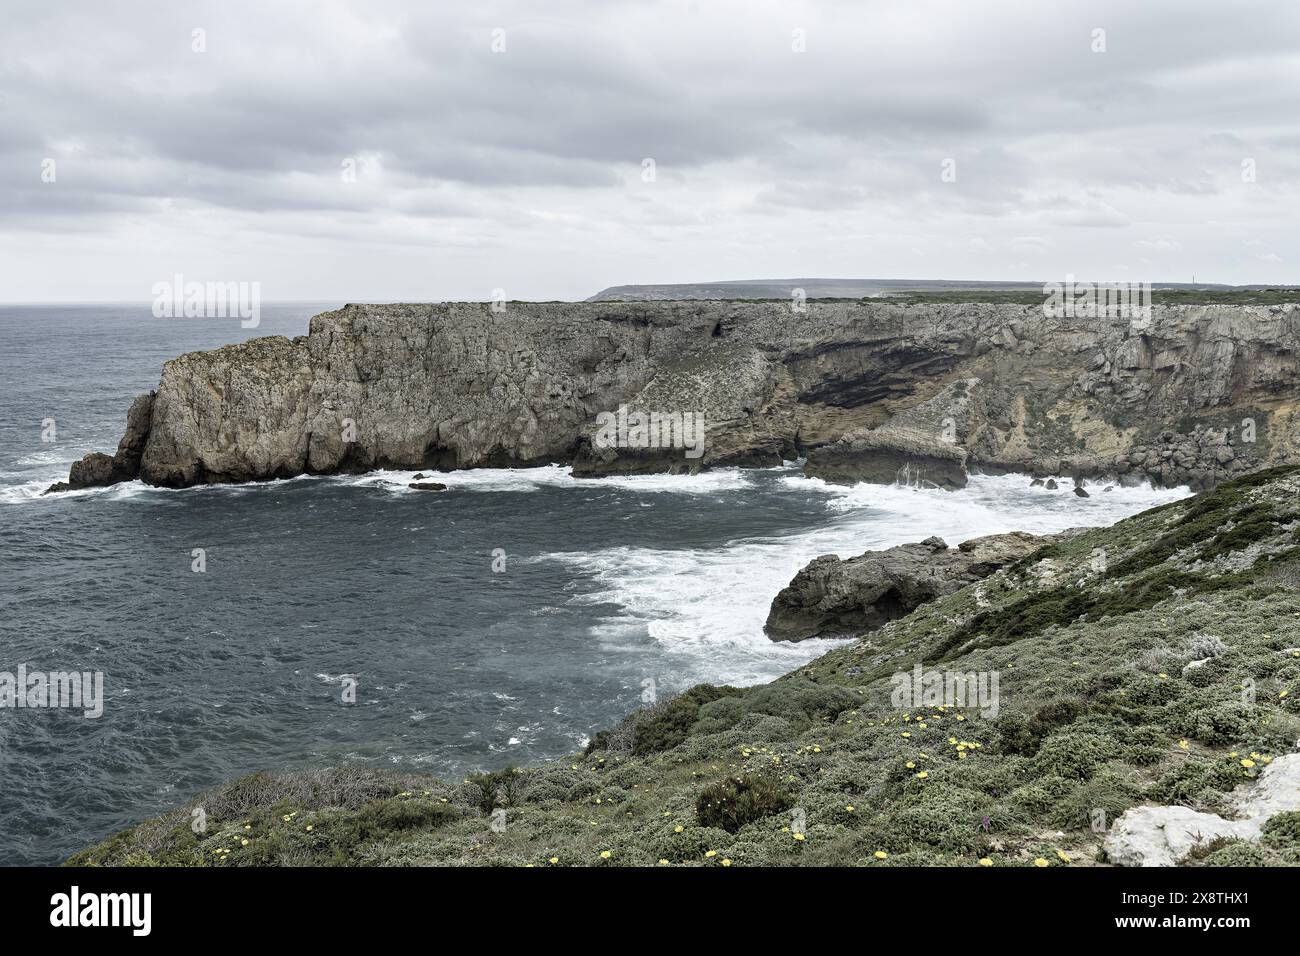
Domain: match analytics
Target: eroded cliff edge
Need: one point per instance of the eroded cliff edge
(865, 390)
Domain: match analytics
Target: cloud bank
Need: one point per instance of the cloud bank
(383, 150)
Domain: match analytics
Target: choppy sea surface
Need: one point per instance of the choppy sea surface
(313, 583)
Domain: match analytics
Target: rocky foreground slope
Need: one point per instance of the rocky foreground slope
(866, 390)
(1134, 698)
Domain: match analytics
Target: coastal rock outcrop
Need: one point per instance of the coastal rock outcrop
(1165, 836)
(833, 597)
(864, 390)
(98, 470)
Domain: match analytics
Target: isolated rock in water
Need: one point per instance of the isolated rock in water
(427, 486)
(1036, 483)
(834, 597)
(1165, 836)
(1081, 492)
(1051, 484)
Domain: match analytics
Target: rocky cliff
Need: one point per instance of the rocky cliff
(864, 389)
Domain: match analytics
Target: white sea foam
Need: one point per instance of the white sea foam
(473, 479)
(710, 604)
(47, 458)
(26, 491)
(29, 491)
(555, 476)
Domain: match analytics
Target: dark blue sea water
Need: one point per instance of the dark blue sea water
(315, 581)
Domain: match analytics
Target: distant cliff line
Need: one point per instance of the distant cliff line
(864, 390)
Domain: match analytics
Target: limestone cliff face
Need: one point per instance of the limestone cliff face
(866, 390)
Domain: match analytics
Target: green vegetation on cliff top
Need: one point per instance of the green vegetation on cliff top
(1100, 707)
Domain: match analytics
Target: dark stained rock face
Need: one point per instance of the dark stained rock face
(864, 390)
(831, 597)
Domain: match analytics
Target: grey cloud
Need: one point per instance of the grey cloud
(505, 151)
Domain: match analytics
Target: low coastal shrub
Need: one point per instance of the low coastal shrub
(1196, 783)
(1235, 853)
(1021, 734)
(1282, 831)
(738, 801)
(498, 788)
(1073, 755)
(1111, 790)
(661, 726)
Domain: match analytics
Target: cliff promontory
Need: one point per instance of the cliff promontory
(864, 389)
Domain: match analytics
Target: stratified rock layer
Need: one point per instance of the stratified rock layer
(865, 390)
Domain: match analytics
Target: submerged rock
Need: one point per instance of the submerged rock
(427, 486)
(835, 597)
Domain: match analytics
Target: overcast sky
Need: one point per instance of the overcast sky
(523, 169)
